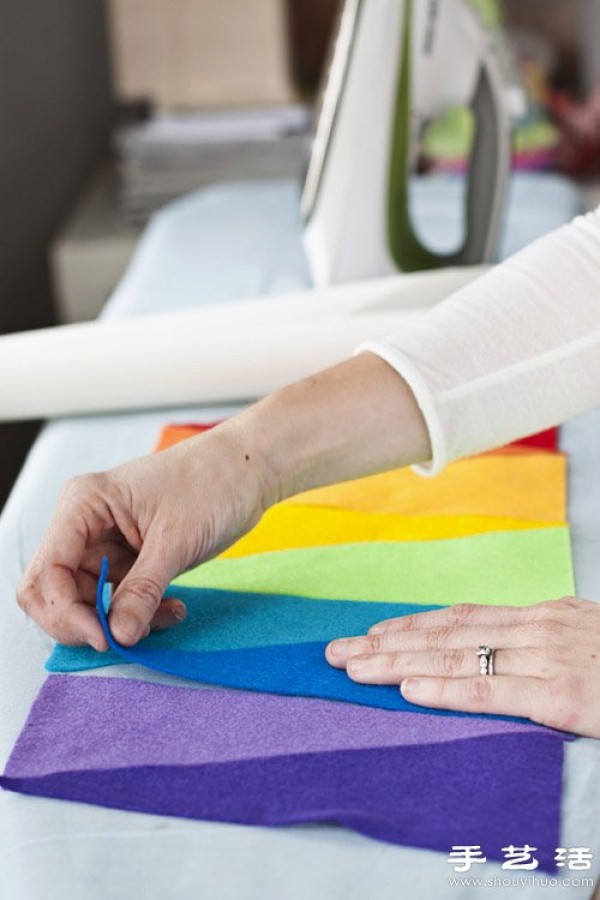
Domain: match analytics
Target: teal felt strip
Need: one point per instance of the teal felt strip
(223, 620)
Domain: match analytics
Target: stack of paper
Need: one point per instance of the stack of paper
(173, 154)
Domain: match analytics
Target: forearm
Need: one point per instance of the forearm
(516, 351)
(354, 419)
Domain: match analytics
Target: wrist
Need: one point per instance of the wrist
(242, 443)
(354, 419)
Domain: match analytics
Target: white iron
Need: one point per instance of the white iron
(396, 65)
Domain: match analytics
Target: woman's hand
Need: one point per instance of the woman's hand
(153, 518)
(159, 515)
(547, 660)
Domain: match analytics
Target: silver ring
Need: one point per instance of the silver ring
(486, 660)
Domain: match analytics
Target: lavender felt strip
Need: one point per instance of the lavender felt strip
(490, 791)
(159, 749)
(96, 723)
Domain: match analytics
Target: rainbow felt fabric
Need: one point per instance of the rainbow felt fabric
(258, 620)
(271, 641)
(327, 563)
(259, 616)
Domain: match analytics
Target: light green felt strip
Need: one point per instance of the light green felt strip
(509, 567)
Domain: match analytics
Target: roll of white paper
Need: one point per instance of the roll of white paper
(232, 352)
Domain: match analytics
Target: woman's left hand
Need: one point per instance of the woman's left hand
(546, 661)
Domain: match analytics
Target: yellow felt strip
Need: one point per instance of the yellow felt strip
(530, 486)
(288, 526)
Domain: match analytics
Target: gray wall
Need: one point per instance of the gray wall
(55, 111)
(591, 44)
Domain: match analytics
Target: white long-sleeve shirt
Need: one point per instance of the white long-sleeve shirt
(514, 352)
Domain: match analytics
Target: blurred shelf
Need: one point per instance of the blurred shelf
(591, 195)
(92, 251)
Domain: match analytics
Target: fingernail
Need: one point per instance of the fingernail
(127, 625)
(376, 629)
(359, 664)
(94, 644)
(410, 687)
(340, 648)
(180, 612)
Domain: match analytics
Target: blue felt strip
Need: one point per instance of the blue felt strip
(298, 669)
(228, 620)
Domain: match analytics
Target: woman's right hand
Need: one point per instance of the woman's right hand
(159, 515)
(153, 517)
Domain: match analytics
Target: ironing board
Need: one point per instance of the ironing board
(215, 246)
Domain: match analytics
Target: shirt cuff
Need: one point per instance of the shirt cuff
(425, 401)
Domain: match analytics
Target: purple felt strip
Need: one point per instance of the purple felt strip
(95, 723)
(489, 791)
